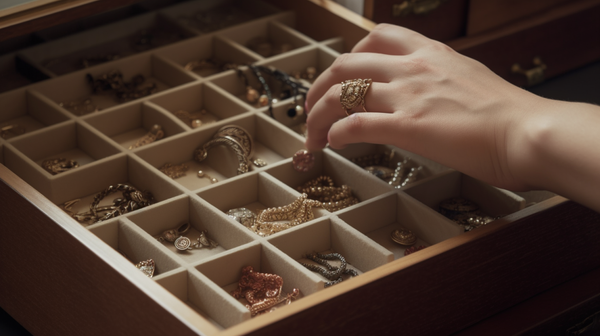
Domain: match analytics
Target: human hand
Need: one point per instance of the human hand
(430, 100)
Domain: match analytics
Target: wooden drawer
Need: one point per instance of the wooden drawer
(564, 38)
(58, 277)
(445, 22)
(489, 14)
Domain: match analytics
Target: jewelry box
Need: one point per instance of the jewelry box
(60, 276)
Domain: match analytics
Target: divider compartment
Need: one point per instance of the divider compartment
(362, 152)
(268, 37)
(134, 245)
(26, 111)
(271, 144)
(491, 200)
(106, 43)
(188, 55)
(202, 101)
(331, 235)
(364, 186)
(379, 217)
(180, 210)
(75, 88)
(224, 273)
(127, 124)
(261, 191)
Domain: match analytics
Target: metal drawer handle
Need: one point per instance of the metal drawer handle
(534, 75)
(415, 6)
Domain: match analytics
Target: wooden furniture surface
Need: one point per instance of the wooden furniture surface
(57, 280)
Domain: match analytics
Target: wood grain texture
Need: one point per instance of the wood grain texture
(564, 42)
(488, 14)
(473, 281)
(443, 23)
(53, 284)
(549, 313)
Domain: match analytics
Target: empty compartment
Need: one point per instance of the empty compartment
(135, 125)
(25, 111)
(382, 161)
(380, 217)
(270, 144)
(206, 56)
(195, 291)
(268, 37)
(188, 217)
(331, 167)
(134, 245)
(10, 78)
(326, 236)
(199, 105)
(105, 44)
(89, 91)
(260, 191)
(488, 201)
(203, 16)
(305, 64)
(225, 273)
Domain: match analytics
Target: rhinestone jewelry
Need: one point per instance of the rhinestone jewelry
(303, 161)
(242, 216)
(147, 267)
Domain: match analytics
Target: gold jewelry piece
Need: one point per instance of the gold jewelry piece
(263, 47)
(183, 243)
(310, 73)
(147, 267)
(174, 171)
(171, 235)
(80, 107)
(55, 166)
(132, 199)
(259, 162)
(9, 131)
(404, 237)
(332, 198)
(262, 290)
(113, 83)
(353, 94)
(202, 174)
(237, 139)
(192, 119)
(155, 133)
(200, 64)
(273, 220)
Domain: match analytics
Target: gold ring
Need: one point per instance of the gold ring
(353, 94)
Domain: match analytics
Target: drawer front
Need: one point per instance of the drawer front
(563, 44)
(443, 23)
(487, 14)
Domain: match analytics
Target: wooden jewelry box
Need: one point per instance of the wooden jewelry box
(60, 277)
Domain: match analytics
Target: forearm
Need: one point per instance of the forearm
(559, 151)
